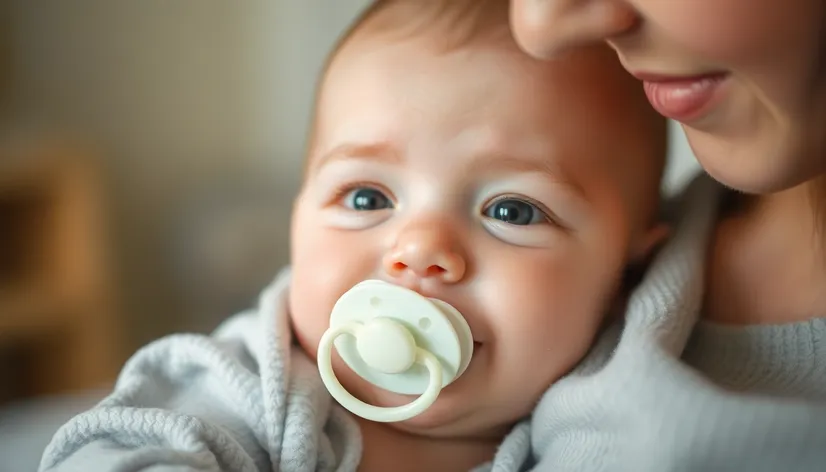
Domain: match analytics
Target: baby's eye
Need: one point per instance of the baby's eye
(515, 212)
(367, 199)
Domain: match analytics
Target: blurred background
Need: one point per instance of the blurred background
(149, 152)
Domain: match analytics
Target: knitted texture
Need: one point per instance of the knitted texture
(246, 399)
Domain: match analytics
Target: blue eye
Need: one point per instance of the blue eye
(515, 212)
(367, 199)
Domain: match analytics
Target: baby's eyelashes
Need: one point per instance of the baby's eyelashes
(515, 211)
(366, 199)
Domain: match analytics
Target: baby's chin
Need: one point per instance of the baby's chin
(455, 414)
(442, 418)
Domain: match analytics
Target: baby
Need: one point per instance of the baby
(445, 161)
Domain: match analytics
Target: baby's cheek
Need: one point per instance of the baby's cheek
(308, 310)
(548, 310)
(326, 263)
(311, 290)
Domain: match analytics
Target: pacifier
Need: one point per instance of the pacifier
(397, 340)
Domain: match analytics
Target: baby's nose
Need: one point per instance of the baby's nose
(426, 252)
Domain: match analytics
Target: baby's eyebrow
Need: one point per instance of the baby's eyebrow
(386, 153)
(380, 152)
(498, 164)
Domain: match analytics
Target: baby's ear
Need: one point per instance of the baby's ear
(648, 243)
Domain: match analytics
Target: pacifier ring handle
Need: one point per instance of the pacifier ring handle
(362, 409)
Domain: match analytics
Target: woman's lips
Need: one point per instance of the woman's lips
(683, 98)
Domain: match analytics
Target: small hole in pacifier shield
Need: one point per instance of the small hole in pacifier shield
(375, 302)
(424, 323)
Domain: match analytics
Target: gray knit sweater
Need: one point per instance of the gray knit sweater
(245, 399)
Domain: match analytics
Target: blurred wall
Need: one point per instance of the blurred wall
(192, 99)
(195, 102)
(5, 54)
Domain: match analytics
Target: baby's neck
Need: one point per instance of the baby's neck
(387, 448)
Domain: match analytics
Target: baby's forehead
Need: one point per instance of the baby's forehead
(450, 27)
(374, 82)
(586, 99)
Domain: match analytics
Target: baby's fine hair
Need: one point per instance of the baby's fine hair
(458, 22)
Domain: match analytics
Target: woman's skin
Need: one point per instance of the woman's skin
(747, 80)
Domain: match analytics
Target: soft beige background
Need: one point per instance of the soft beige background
(202, 106)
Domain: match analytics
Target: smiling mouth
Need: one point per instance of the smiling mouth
(683, 98)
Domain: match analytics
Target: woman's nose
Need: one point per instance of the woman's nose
(425, 252)
(544, 28)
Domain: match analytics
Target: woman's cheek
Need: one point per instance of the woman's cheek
(736, 31)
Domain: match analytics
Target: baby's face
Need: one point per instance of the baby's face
(497, 184)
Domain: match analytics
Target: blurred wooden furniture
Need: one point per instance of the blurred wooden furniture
(57, 329)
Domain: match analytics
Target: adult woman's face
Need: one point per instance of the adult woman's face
(746, 78)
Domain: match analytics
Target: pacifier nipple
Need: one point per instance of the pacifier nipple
(397, 340)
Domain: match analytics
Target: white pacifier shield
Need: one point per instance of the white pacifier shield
(432, 325)
(386, 346)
